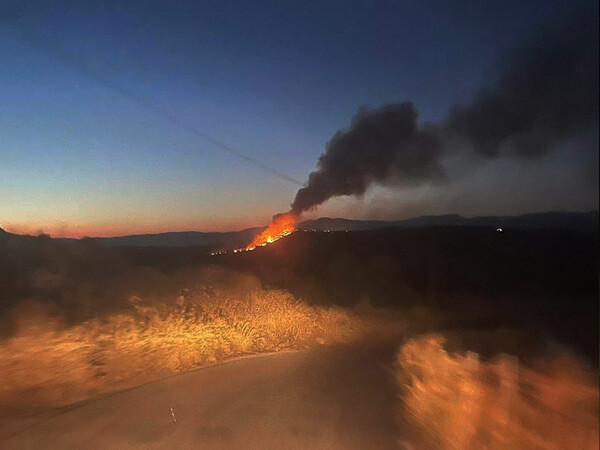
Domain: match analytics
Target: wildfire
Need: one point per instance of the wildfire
(281, 226)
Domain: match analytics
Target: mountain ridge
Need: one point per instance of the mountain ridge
(582, 221)
(576, 221)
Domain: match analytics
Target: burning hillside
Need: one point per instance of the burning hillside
(282, 225)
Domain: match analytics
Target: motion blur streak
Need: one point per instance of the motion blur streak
(46, 364)
(458, 401)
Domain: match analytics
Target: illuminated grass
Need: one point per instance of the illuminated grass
(459, 402)
(42, 367)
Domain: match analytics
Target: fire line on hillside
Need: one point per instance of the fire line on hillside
(282, 225)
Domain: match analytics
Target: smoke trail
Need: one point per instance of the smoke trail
(379, 144)
(547, 93)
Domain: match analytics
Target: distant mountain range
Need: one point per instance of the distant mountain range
(231, 239)
(584, 222)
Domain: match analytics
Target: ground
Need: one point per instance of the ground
(342, 397)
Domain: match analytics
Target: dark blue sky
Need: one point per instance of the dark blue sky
(93, 96)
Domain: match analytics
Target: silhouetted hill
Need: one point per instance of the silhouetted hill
(585, 221)
(5, 235)
(541, 279)
(576, 221)
(230, 239)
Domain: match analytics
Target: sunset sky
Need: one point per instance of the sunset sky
(103, 107)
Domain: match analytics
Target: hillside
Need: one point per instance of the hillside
(185, 239)
(587, 222)
(544, 279)
(540, 278)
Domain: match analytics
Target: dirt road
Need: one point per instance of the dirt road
(331, 398)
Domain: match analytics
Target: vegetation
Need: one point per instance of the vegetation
(78, 319)
(46, 364)
(459, 401)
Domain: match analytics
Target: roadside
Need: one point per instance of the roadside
(342, 396)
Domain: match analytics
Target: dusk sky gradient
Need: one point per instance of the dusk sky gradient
(87, 90)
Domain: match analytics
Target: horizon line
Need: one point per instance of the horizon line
(42, 233)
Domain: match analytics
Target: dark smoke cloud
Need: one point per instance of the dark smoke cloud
(379, 144)
(547, 93)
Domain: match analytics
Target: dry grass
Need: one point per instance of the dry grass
(460, 402)
(46, 366)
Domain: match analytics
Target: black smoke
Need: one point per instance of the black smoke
(547, 93)
(379, 144)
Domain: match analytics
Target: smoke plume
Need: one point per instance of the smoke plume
(379, 144)
(547, 93)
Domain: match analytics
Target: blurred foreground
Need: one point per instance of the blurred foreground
(459, 401)
(79, 321)
(46, 365)
(342, 396)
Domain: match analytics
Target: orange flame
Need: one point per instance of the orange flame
(282, 225)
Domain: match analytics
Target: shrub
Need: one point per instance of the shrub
(457, 401)
(46, 366)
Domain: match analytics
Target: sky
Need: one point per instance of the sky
(150, 116)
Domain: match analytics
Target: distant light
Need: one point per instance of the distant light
(499, 230)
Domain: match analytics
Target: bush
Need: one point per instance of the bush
(45, 365)
(460, 402)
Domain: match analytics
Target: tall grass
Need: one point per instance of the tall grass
(457, 401)
(46, 365)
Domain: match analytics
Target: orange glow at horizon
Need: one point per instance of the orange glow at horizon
(282, 225)
(80, 230)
